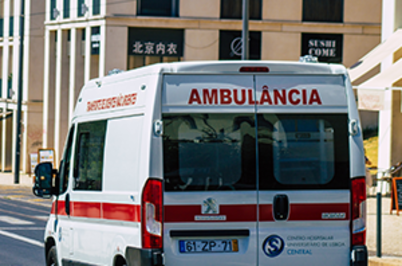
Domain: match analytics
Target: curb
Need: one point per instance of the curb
(385, 261)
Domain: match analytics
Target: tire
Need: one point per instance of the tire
(51, 259)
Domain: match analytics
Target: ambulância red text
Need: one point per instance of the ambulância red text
(246, 97)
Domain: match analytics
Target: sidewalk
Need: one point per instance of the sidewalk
(22, 191)
(391, 234)
(391, 224)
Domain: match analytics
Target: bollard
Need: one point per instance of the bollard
(379, 223)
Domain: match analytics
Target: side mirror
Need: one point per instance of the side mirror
(43, 186)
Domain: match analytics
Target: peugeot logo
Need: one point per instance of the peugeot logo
(210, 206)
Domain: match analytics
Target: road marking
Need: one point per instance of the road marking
(13, 220)
(42, 217)
(25, 239)
(21, 228)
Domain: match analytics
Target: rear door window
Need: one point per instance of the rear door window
(303, 151)
(207, 152)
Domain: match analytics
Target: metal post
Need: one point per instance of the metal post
(19, 100)
(245, 49)
(378, 222)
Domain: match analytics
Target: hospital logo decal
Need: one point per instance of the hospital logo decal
(210, 206)
(273, 246)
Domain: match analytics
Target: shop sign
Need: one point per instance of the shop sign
(95, 40)
(153, 48)
(327, 47)
(231, 45)
(155, 42)
(372, 100)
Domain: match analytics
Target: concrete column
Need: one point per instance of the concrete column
(47, 15)
(6, 48)
(46, 88)
(14, 139)
(3, 141)
(16, 50)
(71, 89)
(24, 139)
(64, 94)
(385, 132)
(87, 68)
(4, 74)
(57, 98)
(390, 21)
(9, 144)
(102, 50)
(103, 7)
(79, 65)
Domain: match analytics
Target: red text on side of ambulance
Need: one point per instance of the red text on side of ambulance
(112, 102)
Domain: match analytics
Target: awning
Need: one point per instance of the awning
(376, 56)
(385, 78)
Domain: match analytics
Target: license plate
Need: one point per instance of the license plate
(221, 245)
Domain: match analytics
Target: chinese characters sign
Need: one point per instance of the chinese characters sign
(155, 42)
(151, 48)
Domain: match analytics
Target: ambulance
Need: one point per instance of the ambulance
(211, 163)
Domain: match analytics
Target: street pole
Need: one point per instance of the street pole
(19, 100)
(244, 50)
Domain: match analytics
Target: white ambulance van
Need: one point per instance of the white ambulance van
(211, 163)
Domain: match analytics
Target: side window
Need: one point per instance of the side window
(164, 8)
(66, 162)
(88, 158)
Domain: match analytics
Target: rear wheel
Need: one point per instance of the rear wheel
(51, 259)
(120, 261)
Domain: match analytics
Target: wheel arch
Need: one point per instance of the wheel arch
(119, 260)
(50, 242)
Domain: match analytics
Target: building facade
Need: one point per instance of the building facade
(32, 80)
(85, 39)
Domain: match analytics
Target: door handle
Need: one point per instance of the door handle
(281, 207)
(67, 202)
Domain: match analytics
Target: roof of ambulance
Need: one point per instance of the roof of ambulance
(227, 67)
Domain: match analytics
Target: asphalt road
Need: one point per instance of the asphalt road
(22, 226)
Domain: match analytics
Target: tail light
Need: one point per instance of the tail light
(358, 211)
(152, 214)
(254, 69)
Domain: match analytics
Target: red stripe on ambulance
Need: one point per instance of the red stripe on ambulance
(245, 96)
(100, 210)
(188, 213)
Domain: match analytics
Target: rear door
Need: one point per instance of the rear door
(209, 154)
(303, 171)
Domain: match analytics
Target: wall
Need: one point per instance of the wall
(284, 10)
(201, 44)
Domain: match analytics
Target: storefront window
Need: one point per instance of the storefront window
(135, 61)
(232, 9)
(323, 10)
(230, 46)
(163, 8)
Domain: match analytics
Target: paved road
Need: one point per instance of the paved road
(22, 227)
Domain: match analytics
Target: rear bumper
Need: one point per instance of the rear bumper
(144, 257)
(359, 256)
